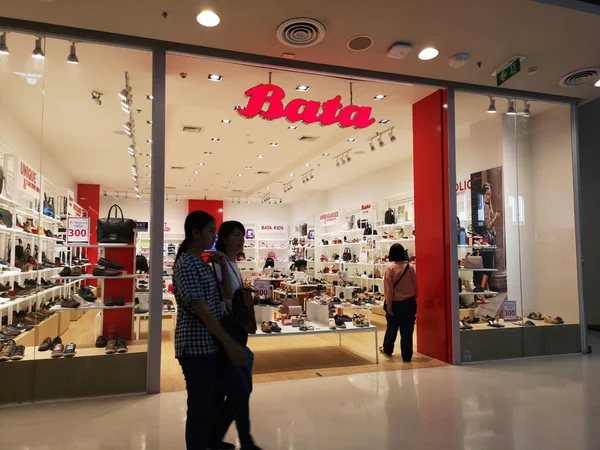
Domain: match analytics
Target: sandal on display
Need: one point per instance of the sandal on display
(356, 321)
(535, 316)
(554, 320)
(495, 324)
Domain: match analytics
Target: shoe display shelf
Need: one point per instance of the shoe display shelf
(318, 316)
(275, 241)
(250, 264)
(323, 310)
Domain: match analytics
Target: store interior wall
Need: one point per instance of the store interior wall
(17, 139)
(589, 167)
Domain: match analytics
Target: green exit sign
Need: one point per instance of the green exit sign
(513, 68)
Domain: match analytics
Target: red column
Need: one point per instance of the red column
(430, 165)
(213, 207)
(88, 196)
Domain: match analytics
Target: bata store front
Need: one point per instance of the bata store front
(326, 172)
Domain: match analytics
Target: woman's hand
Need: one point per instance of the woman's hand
(220, 258)
(496, 215)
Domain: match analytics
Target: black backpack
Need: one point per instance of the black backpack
(141, 264)
(390, 217)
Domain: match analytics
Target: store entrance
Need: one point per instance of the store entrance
(320, 173)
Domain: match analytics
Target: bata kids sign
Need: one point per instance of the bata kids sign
(272, 228)
(28, 179)
(266, 101)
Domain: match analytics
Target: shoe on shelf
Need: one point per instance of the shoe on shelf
(111, 346)
(100, 271)
(57, 340)
(58, 351)
(140, 310)
(275, 327)
(7, 350)
(86, 294)
(76, 271)
(70, 350)
(45, 346)
(121, 345)
(69, 303)
(120, 301)
(109, 301)
(265, 327)
(18, 353)
(100, 342)
(110, 264)
(332, 324)
(339, 323)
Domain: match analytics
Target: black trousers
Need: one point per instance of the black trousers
(405, 314)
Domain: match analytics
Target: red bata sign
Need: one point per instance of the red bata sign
(300, 110)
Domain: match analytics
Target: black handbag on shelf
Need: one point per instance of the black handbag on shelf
(115, 230)
(19, 251)
(347, 255)
(390, 217)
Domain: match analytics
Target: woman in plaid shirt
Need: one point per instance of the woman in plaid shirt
(206, 352)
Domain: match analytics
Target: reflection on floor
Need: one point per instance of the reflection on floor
(536, 404)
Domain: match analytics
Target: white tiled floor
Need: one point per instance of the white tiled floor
(549, 403)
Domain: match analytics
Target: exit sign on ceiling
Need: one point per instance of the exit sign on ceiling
(513, 68)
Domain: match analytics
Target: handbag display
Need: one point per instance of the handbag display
(115, 230)
(295, 310)
(473, 261)
(347, 255)
(390, 218)
(6, 218)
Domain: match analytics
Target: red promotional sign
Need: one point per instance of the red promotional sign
(300, 110)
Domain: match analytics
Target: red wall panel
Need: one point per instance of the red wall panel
(213, 207)
(431, 225)
(88, 196)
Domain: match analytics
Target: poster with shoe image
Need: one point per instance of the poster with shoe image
(487, 219)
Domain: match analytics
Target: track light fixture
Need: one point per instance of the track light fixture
(308, 176)
(392, 137)
(38, 53)
(511, 108)
(287, 187)
(380, 141)
(72, 58)
(492, 107)
(372, 146)
(97, 97)
(342, 158)
(3, 47)
(131, 149)
(105, 193)
(527, 109)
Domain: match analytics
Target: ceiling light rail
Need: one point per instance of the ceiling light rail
(343, 158)
(308, 176)
(380, 142)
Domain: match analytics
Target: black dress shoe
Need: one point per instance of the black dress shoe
(110, 264)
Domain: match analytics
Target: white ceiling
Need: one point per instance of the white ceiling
(80, 134)
(554, 39)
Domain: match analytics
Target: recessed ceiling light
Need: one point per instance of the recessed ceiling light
(208, 153)
(214, 77)
(149, 141)
(384, 121)
(148, 154)
(291, 174)
(351, 139)
(428, 53)
(149, 97)
(200, 164)
(147, 182)
(303, 88)
(307, 165)
(148, 166)
(292, 127)
(215, 139)
(260, 156)
(597, 83)
(149, 122)
(248, 167)
(325, 154)
(196, 171)
(208, 19)
(379, 97)
(225, 121)
(273, 144)
(268, 187)
(239, 174)
(191, 179)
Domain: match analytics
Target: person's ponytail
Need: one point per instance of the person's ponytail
(196, 220)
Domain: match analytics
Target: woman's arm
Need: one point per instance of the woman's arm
(488, 218)
(225, 281)
(388, 288)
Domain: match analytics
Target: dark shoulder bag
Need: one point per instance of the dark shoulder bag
(229, 322)
(115, 229)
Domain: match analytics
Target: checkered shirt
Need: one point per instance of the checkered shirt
(194, 280)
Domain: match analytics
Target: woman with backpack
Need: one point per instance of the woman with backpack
(400, 290)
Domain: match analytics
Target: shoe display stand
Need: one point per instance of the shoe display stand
(304, 248)
(276, 242)
(321, 312)
(250, 265)
(144, 297)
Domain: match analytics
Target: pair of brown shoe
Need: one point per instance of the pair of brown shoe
(69, 303)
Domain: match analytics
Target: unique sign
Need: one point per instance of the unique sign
(463, 186)
(513, 68)
(300, 110)
(271, 228)
(28, 180)
(329, 218)
(78, 230)
(262, 287)
(510, 310)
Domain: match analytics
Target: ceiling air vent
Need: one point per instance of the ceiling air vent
(359, 43)
(237, 190)
(262, 172)
(191, 129)
(169, 187)
(177, 168)
(308, 138)
(580, 77)
(300, 32)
